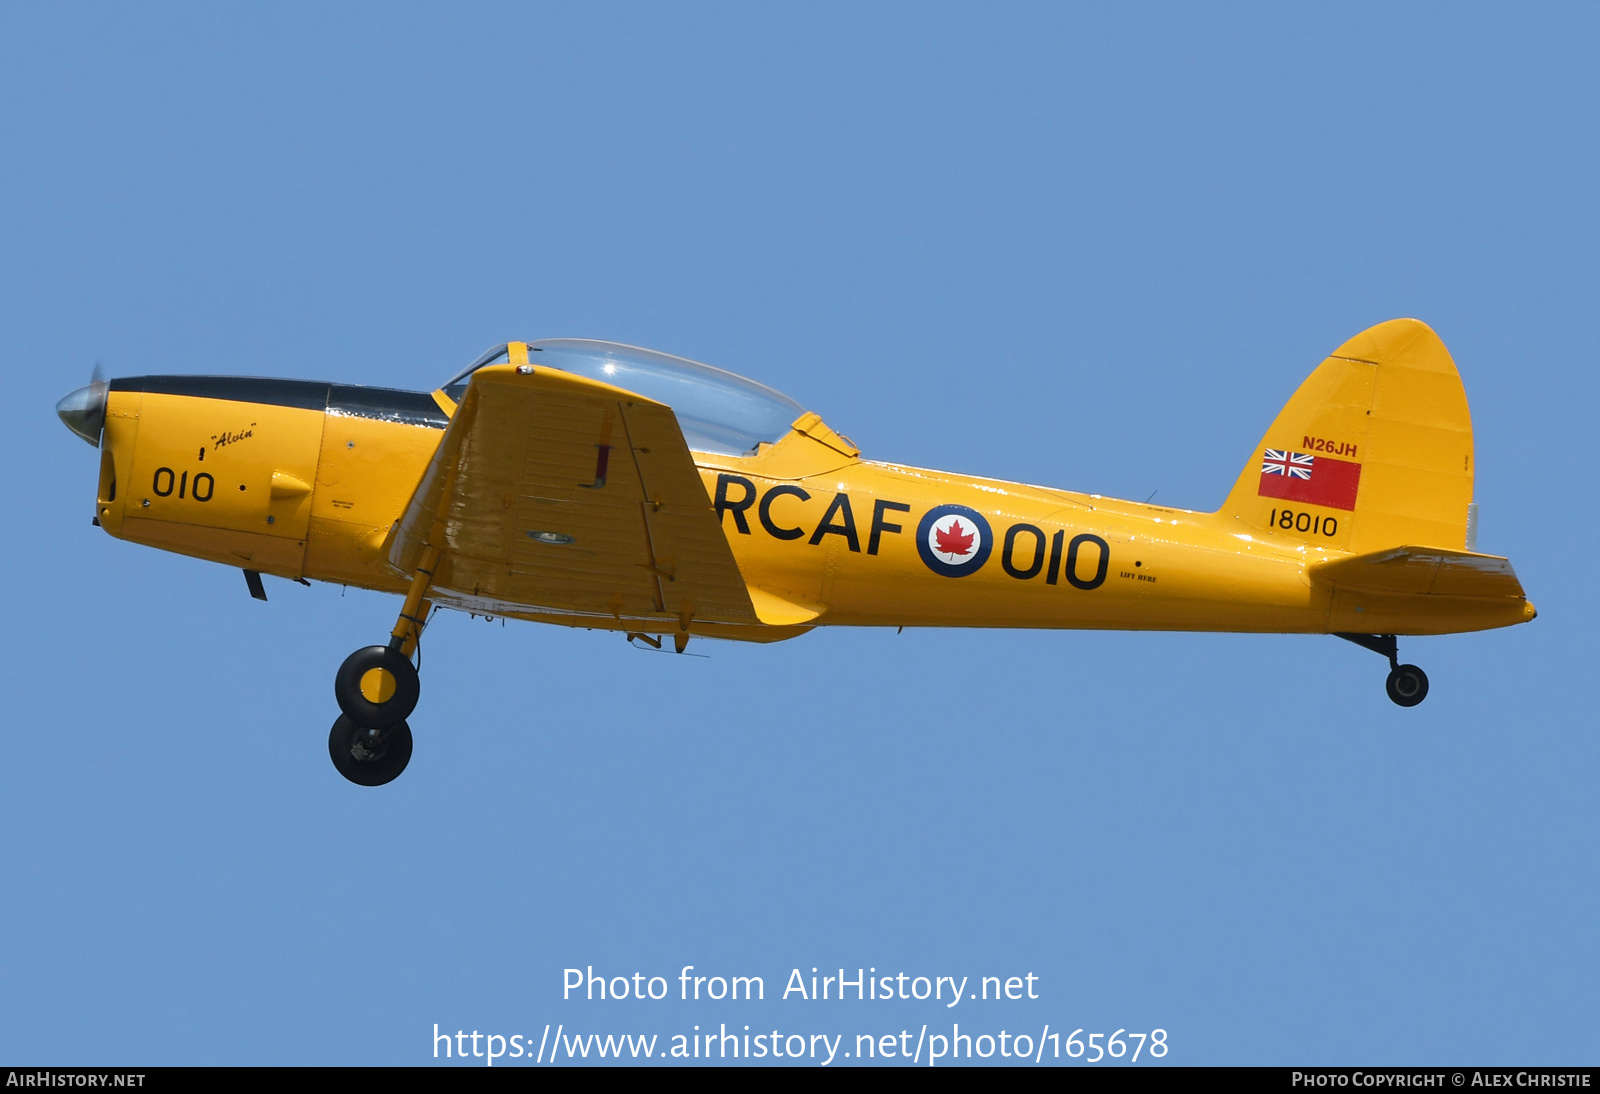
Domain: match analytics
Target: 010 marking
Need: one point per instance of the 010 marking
(181, 483)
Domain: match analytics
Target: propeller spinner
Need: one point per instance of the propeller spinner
(84, 411)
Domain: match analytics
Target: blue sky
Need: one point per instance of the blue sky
(1091, 248)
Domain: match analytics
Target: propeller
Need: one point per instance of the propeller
(84, 411)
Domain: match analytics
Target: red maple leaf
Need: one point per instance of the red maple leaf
(953, 542)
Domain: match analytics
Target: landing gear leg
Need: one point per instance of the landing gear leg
(1407, 685)
(377, 689)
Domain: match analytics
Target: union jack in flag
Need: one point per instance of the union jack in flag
(1277, 461)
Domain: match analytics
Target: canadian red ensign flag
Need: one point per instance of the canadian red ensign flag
(1314, 480)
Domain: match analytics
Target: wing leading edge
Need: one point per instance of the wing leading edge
(555, 493)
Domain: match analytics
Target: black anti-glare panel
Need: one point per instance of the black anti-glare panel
(382, 403)
(304, 394)
(387, 404)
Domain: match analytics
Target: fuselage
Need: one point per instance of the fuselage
(306, 480)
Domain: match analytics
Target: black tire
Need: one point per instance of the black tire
(1407, 685)
(398, 707)
(364, 766)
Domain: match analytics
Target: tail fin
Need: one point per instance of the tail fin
(1373, 451)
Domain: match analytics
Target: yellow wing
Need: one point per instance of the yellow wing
(555, 492)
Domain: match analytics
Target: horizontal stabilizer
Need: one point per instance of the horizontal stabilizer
(1434, 571)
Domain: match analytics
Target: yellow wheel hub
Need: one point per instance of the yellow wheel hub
(377, 685)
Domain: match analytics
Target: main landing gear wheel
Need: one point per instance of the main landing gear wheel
(369, 756)
(377, 686)
(1407, 685)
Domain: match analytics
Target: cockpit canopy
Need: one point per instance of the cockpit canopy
(720, 412)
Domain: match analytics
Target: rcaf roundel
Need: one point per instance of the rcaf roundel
(953, 540)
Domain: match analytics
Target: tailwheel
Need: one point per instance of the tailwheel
(1407, 685)
(377, 686)
(367, 755)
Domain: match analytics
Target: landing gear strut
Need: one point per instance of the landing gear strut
(1407, 685)
(377, 689)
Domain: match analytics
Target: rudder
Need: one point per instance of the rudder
(1373, 451)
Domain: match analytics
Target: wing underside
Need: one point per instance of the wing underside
(558, 494)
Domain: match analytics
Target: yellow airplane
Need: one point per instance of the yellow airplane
(598, 485)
